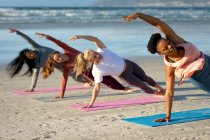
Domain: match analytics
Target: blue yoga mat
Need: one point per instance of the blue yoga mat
(177, 117)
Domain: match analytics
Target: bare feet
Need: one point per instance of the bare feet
(159, 94)
(88, 84)
(162, 90)
(128, 90)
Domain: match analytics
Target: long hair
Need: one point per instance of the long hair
(15, 66)
(48, 69)
(80, 64)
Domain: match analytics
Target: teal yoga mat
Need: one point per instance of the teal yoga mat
(177, 117)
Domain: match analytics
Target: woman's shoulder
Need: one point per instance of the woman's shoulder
(185, 44)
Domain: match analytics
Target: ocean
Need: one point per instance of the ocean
(126, 39)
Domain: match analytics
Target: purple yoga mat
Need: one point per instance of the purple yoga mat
(48, 90)
(118, 103)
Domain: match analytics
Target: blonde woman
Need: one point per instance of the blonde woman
(106, 62)
(67, 60)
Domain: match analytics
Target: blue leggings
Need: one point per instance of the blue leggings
(202, 78)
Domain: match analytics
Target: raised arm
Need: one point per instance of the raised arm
(27, 38)
(97, 42)
(170, 78)
(162, 26)
(63, 45)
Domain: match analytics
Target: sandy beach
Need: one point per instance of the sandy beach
(36, 116)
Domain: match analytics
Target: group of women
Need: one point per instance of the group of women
(181, 58)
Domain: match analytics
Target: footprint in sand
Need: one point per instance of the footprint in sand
(49, 134)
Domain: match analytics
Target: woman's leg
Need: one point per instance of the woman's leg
(199, 85)
(139, 72)
(202, 79)
(129, 76)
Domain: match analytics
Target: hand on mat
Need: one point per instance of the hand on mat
(57, 97)
(88, 106)
(29, 90)
(166, 119)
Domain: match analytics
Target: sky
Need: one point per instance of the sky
(56, 3)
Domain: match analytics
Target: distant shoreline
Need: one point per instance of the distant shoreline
(49, 25)
(97, 7)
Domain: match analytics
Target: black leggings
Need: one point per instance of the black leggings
(135, 75)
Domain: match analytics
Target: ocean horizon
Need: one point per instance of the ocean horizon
(126, 39)
(97, 14)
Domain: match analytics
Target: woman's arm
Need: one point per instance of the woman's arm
(34, 79)
(162, 26)
(27, 38)
(170, 78)
(96, 90)
(63, 45)
(97, 42)
(64, 82)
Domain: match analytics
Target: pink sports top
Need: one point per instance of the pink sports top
(193, 60)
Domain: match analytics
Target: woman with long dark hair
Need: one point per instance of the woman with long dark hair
(34, 59)
(67, 59)
(25, 56)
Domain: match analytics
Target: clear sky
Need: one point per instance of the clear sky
(56, 3)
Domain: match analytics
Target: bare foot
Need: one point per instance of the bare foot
(86, 85)
(159, 94)
(162, 90)
(128, 90)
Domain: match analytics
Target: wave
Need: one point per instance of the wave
(98, 14)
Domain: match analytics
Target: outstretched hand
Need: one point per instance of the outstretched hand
(74, 37)
(12, 30)
(40, 35)
(166, 119)
(130, 17)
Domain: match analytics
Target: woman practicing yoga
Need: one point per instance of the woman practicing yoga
(181, 58)
(105, 62)
(34, 59)
(67, 60)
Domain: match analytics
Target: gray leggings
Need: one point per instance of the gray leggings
(202, 78)
(135, 75)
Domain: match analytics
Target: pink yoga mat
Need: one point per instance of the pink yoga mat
(117, 103)
(48, 90)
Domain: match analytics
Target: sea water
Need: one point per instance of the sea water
(126, 39)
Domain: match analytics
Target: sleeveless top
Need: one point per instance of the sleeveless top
(192, 61)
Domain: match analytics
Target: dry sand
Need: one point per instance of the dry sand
(34, 117)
